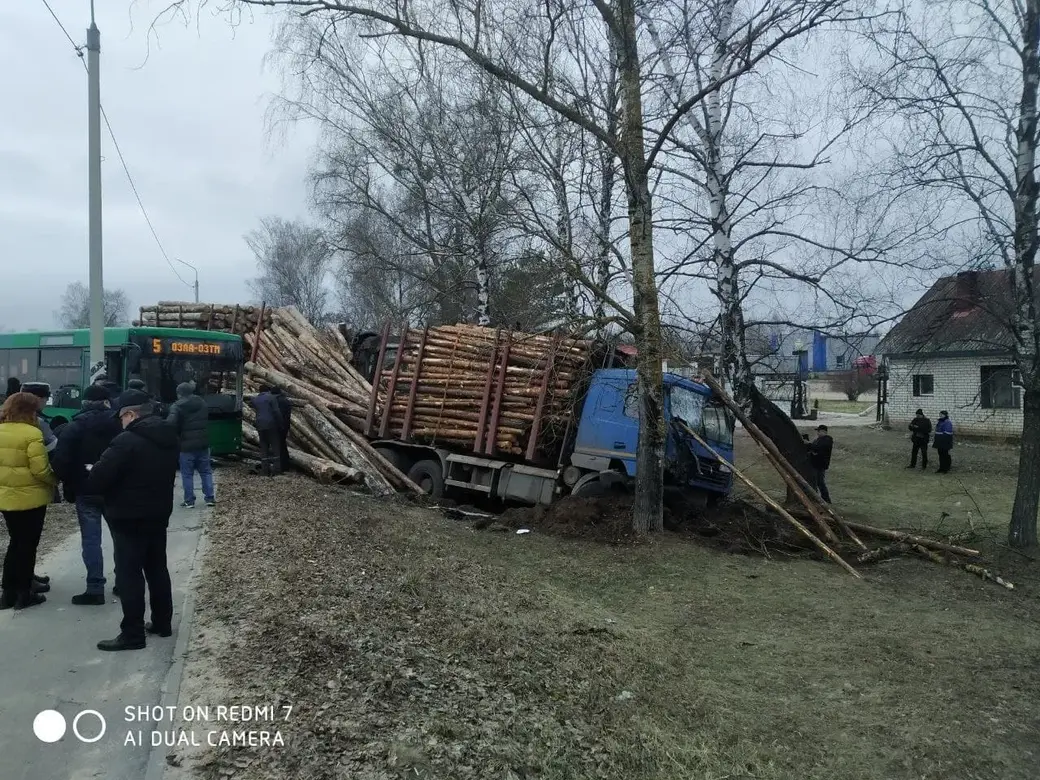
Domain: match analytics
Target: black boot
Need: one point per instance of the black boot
(41, 580)
(121, 642)
(40, 587)
(88, 599)
(162, 631)
(7, 599)
(28, 599)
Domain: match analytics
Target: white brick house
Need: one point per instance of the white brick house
(949, 352)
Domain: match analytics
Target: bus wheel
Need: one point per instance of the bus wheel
(428, 475)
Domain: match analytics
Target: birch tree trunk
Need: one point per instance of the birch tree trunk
(648, 513)
(1022, 530)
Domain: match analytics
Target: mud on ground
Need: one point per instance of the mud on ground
(412, 646)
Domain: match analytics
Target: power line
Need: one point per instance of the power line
(122, 161)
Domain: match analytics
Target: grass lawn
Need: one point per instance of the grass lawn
(415, 646)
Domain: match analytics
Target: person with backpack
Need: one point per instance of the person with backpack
(190, 418)
(80, 446)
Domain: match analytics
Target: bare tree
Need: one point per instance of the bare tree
(75, 307)
(552, 53)
(294, 261)
(958, 82)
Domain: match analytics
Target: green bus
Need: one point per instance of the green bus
(161, 357)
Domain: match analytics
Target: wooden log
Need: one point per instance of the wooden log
(326, 426)
(780, 462)
(901, 536)
(822, 546)
(323, 470)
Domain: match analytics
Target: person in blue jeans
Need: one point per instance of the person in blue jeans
(78, 448)
(190, 418)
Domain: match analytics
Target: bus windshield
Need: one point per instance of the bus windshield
(162, 374)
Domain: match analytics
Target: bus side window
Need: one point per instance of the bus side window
(23, 364)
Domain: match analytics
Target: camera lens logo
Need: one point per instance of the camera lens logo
(50, 726)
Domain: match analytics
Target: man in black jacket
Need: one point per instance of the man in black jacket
(285, 409)
(820, 458)
(135, 477)
(920, 432)
(190, 418)
(80, 445)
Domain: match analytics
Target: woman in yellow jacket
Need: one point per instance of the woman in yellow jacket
(26, 488)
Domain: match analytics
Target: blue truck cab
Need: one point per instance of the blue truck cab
(608, 432)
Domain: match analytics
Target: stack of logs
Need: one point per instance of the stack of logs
(313, 370)
(833, 532)
(488, 390)
(206, 316)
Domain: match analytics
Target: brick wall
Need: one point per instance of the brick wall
(956, 389)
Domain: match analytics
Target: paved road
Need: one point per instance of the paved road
(49, 661)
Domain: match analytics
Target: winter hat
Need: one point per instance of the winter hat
(919, 411)
(185, 389)
(96, 393)
(132, 398)
(39, 389)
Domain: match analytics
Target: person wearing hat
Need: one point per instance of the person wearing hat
(920, 433)
(190, 418)
(80, 445)
(42, 391)
(135, 478)
(820, 457)
(943, 442)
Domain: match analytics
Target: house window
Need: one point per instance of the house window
(839, 361)
(924, 384)
(998, 387)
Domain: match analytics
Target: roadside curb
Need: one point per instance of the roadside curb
(171, 687)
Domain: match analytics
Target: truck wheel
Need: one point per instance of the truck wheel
(589, 485)
(400, 461)
(427, 474)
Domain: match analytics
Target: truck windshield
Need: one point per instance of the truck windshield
(718, 423)
(687, 406)
(707, 417)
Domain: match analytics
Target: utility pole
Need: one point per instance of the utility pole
(97, 290)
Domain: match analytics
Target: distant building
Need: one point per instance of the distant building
(822, 352)
(952, 351)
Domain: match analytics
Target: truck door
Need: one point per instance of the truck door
(609, 428)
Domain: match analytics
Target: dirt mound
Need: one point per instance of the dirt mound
(734, 526)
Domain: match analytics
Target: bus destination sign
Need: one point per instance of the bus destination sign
(187, 348)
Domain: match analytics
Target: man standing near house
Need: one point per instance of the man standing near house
(944, 442)
(190, 418)
(820, 457)
(920, 433)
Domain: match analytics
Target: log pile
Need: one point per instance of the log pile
(839, 539)
(312, 368)
(492, 391)
(234, 318)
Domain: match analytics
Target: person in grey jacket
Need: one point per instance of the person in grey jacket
(190, 418)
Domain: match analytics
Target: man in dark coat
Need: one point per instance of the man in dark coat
(80, 445)
(944, 442)
(190, 418)
(135, 478)
(285, 409)
(820, 457)
(920, 433)
(14, 385)
(268, 426)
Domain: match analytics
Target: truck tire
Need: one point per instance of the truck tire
(428, 475)
(400, 461)
(587, 486)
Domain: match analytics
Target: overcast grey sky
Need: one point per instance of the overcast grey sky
(188, 112)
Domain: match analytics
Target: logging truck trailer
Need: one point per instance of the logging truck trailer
(589, 450)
